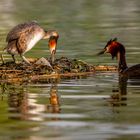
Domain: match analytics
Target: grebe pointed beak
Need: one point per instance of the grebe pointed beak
(102, 52)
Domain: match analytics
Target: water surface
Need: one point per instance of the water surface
(99, 106)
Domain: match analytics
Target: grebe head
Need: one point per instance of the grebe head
(113, 47)
(53, 37)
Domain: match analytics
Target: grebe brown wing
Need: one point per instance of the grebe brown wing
(20, 29)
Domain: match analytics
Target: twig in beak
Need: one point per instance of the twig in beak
(52, 56)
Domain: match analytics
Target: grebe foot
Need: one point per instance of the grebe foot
(14, 58)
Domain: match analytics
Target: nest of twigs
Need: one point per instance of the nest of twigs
(41, 69)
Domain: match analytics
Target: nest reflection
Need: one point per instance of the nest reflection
(21, 105)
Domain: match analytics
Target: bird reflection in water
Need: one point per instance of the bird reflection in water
(119, 96)
(23, 106)
(54, 106)
(18, 103)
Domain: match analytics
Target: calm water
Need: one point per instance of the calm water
(99, 106)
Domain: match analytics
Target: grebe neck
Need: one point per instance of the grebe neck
(121, 61)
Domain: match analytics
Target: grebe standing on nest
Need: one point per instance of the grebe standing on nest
(24, 36)
(116, 49)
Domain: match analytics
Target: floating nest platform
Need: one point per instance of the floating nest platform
(40, 71)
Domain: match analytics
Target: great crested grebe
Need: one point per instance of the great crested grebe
(117, 50)
(24, 36)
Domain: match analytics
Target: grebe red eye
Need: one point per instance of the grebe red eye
(114, 43)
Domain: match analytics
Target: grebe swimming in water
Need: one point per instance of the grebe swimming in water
(23, 37)
(116, 49)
